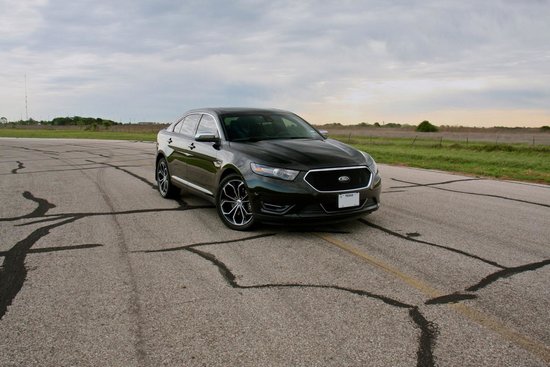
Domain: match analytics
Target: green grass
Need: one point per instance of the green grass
(505, 161)
(76, 134)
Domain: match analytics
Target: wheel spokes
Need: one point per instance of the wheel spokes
(234, 204)
(230, 192)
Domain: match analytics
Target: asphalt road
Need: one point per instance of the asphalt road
(99, 270)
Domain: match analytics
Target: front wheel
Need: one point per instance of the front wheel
(233, 204)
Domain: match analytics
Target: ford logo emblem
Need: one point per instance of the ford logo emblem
(344, 179)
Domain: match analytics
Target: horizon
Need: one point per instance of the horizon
(362, 124)
(480, 64)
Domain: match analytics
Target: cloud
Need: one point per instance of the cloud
(344, 61)
(19, 19)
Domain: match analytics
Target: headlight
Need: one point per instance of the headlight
(373, 166)
(282, 173)
(371, 163)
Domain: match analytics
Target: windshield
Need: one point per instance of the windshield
(266, 126)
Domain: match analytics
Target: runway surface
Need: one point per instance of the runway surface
(98, 269)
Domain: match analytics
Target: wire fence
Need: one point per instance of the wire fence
(527, 136)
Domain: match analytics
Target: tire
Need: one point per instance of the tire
(233, 203)
(164, 183)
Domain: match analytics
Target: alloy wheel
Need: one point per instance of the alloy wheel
(163, 178)
(234, 203)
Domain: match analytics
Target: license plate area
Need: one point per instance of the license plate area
(348, 200)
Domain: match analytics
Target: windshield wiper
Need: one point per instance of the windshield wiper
(246, 140)
(256, 138)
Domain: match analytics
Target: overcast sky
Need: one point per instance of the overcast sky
(482, 63)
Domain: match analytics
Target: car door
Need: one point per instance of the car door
(203, 164)
(180, 142)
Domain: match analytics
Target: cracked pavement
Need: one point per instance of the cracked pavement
(98, 269)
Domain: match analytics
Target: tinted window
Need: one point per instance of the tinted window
(207, 125)
(189, 125)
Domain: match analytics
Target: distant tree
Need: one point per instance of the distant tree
(545, 128)
(61, 121)
(426, 127)
(3, 120)
(81, 121)
(376, 124)
(392, 124)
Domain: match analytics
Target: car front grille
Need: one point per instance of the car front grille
(338, 179)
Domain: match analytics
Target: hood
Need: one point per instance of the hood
(301, 154)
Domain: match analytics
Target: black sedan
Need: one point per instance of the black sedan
(265, 165)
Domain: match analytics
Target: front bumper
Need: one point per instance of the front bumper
(278, 201)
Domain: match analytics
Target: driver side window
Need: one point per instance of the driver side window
(207, 125)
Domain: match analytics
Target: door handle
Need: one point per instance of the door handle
(192, 146)
(170, 141)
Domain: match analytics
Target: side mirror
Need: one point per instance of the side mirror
(207, 137)
(324, 133)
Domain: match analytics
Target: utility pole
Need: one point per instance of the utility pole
(26, 101)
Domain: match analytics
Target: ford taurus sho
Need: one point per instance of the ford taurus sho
(265, 165)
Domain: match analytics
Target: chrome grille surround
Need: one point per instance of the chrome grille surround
(357, 181)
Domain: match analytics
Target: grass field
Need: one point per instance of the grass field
(505, 161)
(77, 134)
(525, 162)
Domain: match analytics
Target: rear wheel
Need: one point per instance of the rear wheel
(233, 203)
(165, 186)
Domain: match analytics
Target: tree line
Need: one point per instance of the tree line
(69, 121)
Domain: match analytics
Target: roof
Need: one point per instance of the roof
(229, 110)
